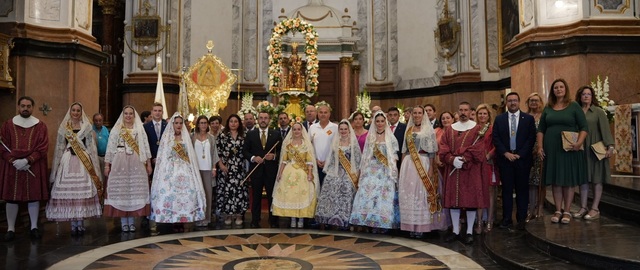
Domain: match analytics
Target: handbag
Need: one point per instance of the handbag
(599, 150)
(569, 138)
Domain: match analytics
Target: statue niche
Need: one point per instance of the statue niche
(295, 80)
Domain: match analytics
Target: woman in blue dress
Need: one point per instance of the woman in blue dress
(376, 202)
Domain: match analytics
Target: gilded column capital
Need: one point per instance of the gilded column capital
(355, 67)
(346, 61)
(108, 6)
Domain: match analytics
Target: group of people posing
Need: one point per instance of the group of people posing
(427, 174)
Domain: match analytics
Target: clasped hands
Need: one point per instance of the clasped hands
(511, 156)
(259, 160)
(21, 164)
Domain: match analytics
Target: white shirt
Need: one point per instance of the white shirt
(203, 149)
(321, 139)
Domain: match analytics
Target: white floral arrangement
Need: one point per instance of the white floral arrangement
(247, 105)
(601, 89)
(363, 101)
(275, 52)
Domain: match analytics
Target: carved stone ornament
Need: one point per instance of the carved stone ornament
(448, 33)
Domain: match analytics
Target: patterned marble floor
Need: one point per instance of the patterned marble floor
(270, 249)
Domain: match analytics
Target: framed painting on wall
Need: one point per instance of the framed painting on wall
(508, 25)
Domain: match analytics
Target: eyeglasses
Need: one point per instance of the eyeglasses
(512, 101)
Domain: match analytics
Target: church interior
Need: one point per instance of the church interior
(107, 54)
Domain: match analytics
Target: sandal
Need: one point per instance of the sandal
(556, 217)
(596, 215)
(489, 227)
(566, 218)
(580, 213)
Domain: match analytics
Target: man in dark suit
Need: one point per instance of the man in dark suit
(154, 130)
(283, 124)
(398, 129)
(431, 113)
(514, 133)
(256, 145)
(311, 116)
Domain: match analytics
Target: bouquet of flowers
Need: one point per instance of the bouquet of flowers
(247, 105)
(601, 89)
(363, 101)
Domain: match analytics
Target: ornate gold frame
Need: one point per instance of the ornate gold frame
(5, 47)
(626, 4)
(447, 34)
(209, 82)
(147, 30)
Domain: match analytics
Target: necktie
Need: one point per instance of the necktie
(158, 130)
(283, 133)
(263, 139)
(393, 127)
(512, 138)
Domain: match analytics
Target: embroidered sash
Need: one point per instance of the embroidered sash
(128, 139)
(182, 153)
(430, 185)
(380, 156)
(299, 161)
(347, 167)
(84, 158)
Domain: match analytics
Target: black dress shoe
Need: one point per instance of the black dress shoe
(254, 225)
(144, 224)
(505, 225)
(35, 234)
(10, 236)
(468, 239)
(451, 237)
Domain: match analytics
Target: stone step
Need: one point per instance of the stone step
(620, 198)
(605, 243)
(510, 249)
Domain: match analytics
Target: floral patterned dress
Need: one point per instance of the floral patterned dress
(294, 195)
(231, 198)
(376, 202)
(176, 197)
(336, 196)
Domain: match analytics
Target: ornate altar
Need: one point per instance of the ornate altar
(208, 84)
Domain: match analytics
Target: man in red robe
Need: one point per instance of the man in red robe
(463, 153)
(23, 166)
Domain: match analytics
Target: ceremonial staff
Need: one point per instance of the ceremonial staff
(254, 168)
(9, 150)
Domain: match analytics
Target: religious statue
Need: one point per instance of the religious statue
(295, 78)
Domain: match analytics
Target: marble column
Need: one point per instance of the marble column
(107, 95)
(355, 82)
(345, 87)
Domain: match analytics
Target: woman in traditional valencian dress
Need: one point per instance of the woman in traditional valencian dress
(75, 175)
(177, 193)
(296, 189)
(419, 185)
(232, 199)
(340, 185)
(127, 166)
(376, 202)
